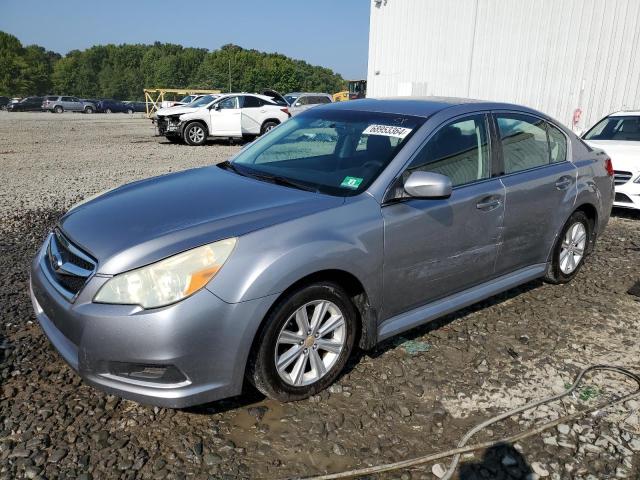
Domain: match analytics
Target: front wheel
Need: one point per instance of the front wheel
(305, 343)
(195, 134)
(570, 249)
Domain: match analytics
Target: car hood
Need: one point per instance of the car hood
(179, 110)
(625, 155)
(149, 220)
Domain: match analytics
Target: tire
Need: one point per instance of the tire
(58, 109)
(129, 111)
(195, 134)
(268, 125)
(88, 110)
(302, 376)
(570, 250)
(108, 110)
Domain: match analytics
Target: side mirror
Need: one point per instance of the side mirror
(297, 104)
(428, 185)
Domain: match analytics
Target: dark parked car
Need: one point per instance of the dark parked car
(136, 107)
(345, 225)
(28, 104)
(111, 106)
(4, 101)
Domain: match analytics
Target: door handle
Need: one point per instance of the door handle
(564, 182)
(487, 204)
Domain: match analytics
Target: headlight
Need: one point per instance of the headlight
(168, 280)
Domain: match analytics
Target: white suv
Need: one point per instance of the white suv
(619, 136)
(234, 115)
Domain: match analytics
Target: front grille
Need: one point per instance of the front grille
(621, 177)
(622, 198)
(67, 266)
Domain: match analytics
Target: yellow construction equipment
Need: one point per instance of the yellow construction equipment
(356, 89)
(153, 97)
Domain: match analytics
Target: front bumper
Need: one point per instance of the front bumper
(627, 195)
(167, 126)
(201, 343)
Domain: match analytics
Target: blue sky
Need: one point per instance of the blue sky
(331, 33)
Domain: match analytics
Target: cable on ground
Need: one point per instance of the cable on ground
(461, 448)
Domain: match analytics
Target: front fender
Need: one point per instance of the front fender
(268, 261)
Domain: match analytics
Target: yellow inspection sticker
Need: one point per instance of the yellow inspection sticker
(387, 131)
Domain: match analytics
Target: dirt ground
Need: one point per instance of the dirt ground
(413, 395)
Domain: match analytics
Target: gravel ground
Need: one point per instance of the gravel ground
(414, 395)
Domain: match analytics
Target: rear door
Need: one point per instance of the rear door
(226, 118)
(437, 247)
(540, 188)
(253, 114)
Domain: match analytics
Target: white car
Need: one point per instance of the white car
(619, 136)
(201, 101)
(233, 115)
(183, 101)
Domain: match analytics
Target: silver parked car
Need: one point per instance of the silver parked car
(301, 101)
(59, 104)
(343, 226)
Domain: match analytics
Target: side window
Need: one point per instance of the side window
(557, 144)
(323, 99)
(229, 103)
(524, 142)
(65, 99)
(303, 101)
(459, 150)
(251, 102)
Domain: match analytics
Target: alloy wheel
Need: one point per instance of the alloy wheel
(310, 343)
(196, 134)
(573, 246)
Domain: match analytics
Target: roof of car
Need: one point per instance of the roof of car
(307, 93)
(626, 113)
(416, 106)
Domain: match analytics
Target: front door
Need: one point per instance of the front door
(253, 114)
(434, 248)
(226, 118)
(540, 187)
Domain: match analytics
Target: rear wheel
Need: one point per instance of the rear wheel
(195, 134)
(305, 343)
(58, 109)
(129, 111)
(267, 126)
(88, 110)
(570, 249)
(108, 110)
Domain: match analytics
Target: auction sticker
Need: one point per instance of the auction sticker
(387, 131)
(351, 182)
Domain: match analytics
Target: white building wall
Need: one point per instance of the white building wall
(553, 55)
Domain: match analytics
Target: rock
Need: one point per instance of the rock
(635, 444)
(438, 470)
(19, 453)
(550, 441)
(57, 455)
(339, 449)
(404, 411)
(564, 429)
(258, 412)
(211, 459)
(482, 367)
(335, 388)
(539, 469)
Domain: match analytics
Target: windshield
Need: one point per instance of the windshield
(290, 99)
(187, 99)
(202, 101)
(616, 128)
(337, 152)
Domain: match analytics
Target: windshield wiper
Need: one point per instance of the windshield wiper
(227, 165)
(284, 181)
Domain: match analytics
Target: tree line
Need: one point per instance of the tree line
(123, 71)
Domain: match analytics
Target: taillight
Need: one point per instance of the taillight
(285, 110)
(608, 166)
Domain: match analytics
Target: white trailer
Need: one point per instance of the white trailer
(576, 60)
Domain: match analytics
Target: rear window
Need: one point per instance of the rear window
(616, 128)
